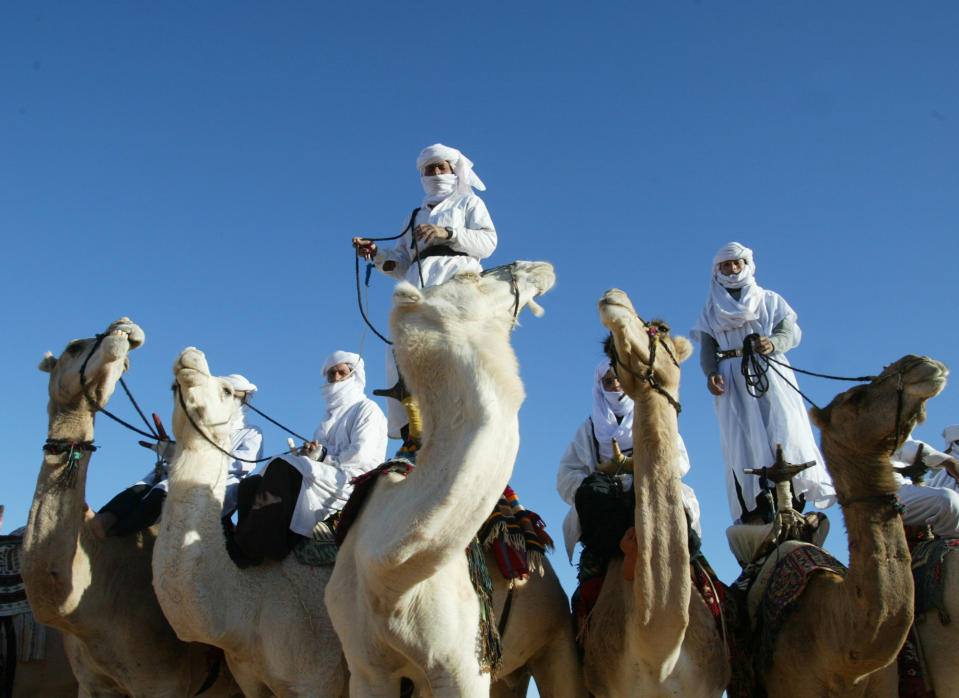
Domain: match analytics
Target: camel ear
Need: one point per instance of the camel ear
(48, 362)
(818, 417)
(406, 294)
(683, 348)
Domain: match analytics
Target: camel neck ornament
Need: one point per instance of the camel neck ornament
(656, 332)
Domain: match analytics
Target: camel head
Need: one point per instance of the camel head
(103, 359)
(208, 401)
(468, 317)
(641, 346)
(874, 419)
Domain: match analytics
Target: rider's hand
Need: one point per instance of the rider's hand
(428, 233)
(364, 248)
(715, 384)
(164, 448)
(763, 345)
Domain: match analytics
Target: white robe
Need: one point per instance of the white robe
(581, 460)
(473, 233)
(246, 442)
(355, 444)
(750, 428)
(937, 502)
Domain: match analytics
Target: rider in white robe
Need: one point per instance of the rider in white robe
(350, 441)
(611, 418)
(453, 232)
(936, 503)
(749, 427)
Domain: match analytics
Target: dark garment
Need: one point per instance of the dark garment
(605, 512)
(136, 508)
(264, 531)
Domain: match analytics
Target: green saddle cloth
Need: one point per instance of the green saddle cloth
(318, 550)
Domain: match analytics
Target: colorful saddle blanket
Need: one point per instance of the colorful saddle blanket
(516, 536)
(13, 596)
(783, 591)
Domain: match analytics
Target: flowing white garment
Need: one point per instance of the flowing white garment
(356, 443)
(473, 234)
(581, 459)
(750, 428)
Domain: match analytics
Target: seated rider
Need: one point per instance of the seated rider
(297, 491)
(139, 507)
(936, 503)
(602, 506)
(450, 232)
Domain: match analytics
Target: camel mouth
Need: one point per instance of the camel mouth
(191, 367)
(922, 377)
(614, 300)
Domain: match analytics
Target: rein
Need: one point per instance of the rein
(98, 408)
(356, 264)
(654, 333)
(179, 393)
(755, 366)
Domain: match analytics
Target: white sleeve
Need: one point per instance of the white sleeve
(401, 255)
(248, 445)
(578, 462)
(368, 441)
(478, 236)
(933, 458)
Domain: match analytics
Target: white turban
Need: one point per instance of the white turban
(951, 435)
(723, 312)
(346, 392)
(462, 166)
(731, 251)
(607, 406)
(242, 384)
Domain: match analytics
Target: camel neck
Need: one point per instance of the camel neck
(57, 546)
(878, 585)
(661, 581)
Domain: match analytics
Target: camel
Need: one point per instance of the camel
(400, 595)
(96, 592)
(269, 620)
(847, 630)
(940, 643)
(652, 635)
(538, 639)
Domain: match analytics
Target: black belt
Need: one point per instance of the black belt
(440, 251)
(729, 354)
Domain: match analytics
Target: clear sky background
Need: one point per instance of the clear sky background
(201, 168)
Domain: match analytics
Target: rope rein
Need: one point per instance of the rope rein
(97, 408)
(755, 366)
(655, 334)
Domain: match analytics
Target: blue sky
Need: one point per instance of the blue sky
(201, 167)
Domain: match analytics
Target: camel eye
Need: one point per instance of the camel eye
(227, 392)
(74, 348)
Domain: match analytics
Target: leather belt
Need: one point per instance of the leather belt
(729, 354)
(440, 251)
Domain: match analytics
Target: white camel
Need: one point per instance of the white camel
(400, 596)
(98, 593)
(269, 620)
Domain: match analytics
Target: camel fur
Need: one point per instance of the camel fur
(844, 636)
(400, 595)
(653, 635)
(538, 639)
(269, 620)
(98, 593)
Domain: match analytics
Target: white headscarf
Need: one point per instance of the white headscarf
(345, 393)
(241, 383)
(951, 435)
(722, 311)
(607, 406)
(438, 187)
